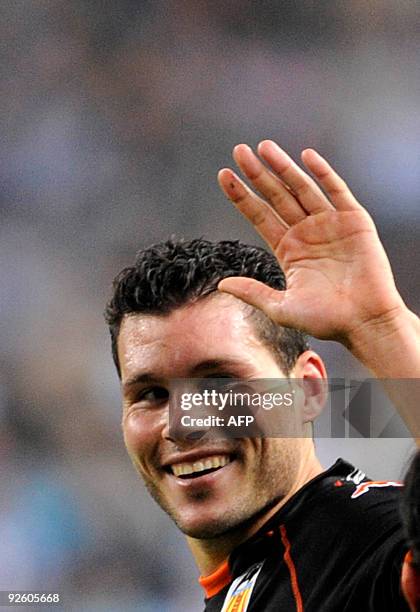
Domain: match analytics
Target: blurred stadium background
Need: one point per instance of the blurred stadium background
(115, 118)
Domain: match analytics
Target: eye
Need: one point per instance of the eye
(152, 396)
(219, 381)
(226, 382)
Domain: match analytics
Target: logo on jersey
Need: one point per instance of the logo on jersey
(374, 484)
(356, 476)
(239, 594)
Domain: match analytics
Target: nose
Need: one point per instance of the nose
(177, 432)
(183, 425)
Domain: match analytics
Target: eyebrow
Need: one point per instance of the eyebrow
(199, 368)
(138, 379)
(216, 364)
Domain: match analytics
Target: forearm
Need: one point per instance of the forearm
(390, 349)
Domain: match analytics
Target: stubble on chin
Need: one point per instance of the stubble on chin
(267, 486)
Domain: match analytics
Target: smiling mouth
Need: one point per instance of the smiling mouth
(199, 468)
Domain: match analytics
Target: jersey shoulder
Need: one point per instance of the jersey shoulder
(344, 504)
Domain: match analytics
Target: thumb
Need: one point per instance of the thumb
(257, 294)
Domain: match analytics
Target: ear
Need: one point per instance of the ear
(312, 375)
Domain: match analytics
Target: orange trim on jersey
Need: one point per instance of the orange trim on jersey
(292, 569)
(215, 582)
(364, 487)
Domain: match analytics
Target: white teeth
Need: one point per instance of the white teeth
(216, 461)
(198, 466)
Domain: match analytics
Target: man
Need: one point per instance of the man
(268, 528)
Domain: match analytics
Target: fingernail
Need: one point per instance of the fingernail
(238, 147)
(271, 146)
(251, 164)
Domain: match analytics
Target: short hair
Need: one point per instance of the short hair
(175, 273)
(410, 509)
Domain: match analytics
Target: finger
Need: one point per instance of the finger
(310, 196)
(334, 186)
(270, 227)
(271, 187)
(261, 296)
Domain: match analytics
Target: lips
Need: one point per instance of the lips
(200, 467)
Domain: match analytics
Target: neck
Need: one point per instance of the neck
(209, 554)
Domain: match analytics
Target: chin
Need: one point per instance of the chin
(207, 528)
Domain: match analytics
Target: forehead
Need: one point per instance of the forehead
(213, 329)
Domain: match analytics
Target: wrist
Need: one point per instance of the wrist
(389, 345)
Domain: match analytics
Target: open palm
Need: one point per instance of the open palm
(338, 275)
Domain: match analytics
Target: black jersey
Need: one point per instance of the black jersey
(336, 546)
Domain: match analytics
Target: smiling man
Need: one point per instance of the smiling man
(268, 527)
(212, 336)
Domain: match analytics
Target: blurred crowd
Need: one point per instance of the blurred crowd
(115, 118)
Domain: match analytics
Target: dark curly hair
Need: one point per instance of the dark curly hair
(171, 274)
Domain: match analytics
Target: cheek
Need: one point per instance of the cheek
(141, 435)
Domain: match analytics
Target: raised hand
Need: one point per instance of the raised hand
(339, 279)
